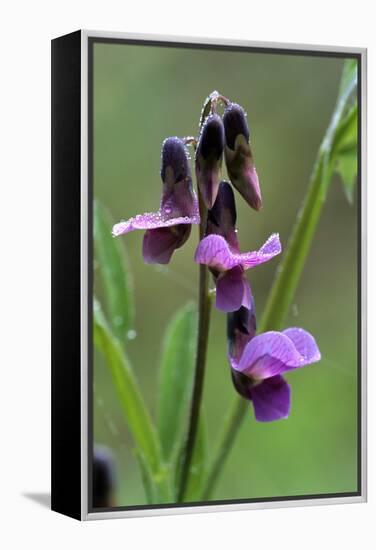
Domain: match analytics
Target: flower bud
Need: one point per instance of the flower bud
(222, 217)
(241, 328)
(175, 166)
(209, 158)
(103, 478)
(238, 155)
(178, 198)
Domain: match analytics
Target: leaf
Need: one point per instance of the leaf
(197, 474)
(345, 151)
(176, 379)
(115, 275)
(347, 167)
(147, 478)
(349, 72)
(132, 403)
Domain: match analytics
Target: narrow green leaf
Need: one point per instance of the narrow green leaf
(349, 71)
(134, 408)
(347, 166)
(115, 274)
(147, 478)
(197, 474)
(176, 378)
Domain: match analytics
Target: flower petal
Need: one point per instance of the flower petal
(269, 354)
(159, 244)
(153, 220)
(233, 291)
(271, 399)
(269, 249)
(304, 343)
(215, 252)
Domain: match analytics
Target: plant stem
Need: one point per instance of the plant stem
(230, 430)
(202, 344)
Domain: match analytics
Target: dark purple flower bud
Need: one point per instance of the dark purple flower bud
(175, 166)
(209, 158)
(241, 328)
(103, 478)
(238, 156)
(222, 217)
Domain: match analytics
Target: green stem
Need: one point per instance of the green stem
(202, 344)
(290, 269)
(225, 443)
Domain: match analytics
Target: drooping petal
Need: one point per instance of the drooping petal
(215, 252)
(233, 291)
(304, 343)
(271, 399)
(208, 158)
(272, 247)
(159, 244)
(269, 354)
(238, 155)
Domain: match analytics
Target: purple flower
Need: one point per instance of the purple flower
(220, 251)
(238, 156)
(208, 159)
(258, 362)
(170, 227)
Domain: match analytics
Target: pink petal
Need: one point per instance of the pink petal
(271, 399)
(269, 249)
(304, 343)
(269, 354)
(153, 220)
(215, 252)
(233, 291)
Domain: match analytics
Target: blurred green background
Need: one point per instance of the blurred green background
(143, 94)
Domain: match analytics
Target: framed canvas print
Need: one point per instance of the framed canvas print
(208, 275)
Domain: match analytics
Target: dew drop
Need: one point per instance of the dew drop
(131, 334)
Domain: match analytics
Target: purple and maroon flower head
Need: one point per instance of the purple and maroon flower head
(103, 478)
(238, 155)
(168, 228)
(219, 250)
(208, 158)
(258, 362)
